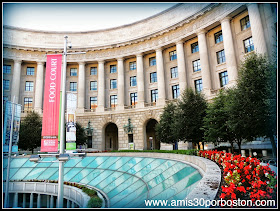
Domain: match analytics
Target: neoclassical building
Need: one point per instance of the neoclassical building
(132, 71)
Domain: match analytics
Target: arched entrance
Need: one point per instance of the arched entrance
(111, 137)
(151, 140)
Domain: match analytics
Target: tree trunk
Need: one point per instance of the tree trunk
(175, 145)
(239, 146)
(231, 143)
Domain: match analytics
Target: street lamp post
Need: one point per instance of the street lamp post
(62, 123)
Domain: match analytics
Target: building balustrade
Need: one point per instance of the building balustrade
(90, 110)
(73, 194)
(150, 104)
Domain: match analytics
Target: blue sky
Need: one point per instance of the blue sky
(77, 16)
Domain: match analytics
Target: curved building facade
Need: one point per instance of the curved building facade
(132, 71)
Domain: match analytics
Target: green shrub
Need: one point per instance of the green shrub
(94, 202)
(186, 152)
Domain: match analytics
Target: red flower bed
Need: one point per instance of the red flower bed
(245, 177)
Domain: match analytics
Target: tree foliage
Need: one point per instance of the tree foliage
(165, 129)
(253, 103)
(189, 117)
(30, 132)
(216, 127)
(81, 138)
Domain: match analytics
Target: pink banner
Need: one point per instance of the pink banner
(50, 127)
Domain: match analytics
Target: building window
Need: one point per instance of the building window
(28, 103)
(113, 101)
(221, 57)
(133, 81)
(93, 71)
(198, 85)
(29, 86)
(132, 65)
(93, 85)
(223, 78)
(218, 37)
(174, 72)
(194, 47)
(152, 61)
(6, 84)
(73, 71)
(113, 68)
(248, 45)
(154, 95)
(245, 23)
(30, 71)
(7, 69)
(73, 86)
(133, 98)
(113, 83)
(173, 55)
(175, 91)
(93, 102)
(153, 77)
(196, 65)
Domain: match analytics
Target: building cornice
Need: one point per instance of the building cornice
(183, 30)
(134, 40)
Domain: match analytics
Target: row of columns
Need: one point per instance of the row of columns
(50, 201)
(231, 64)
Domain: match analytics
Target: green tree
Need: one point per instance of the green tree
(165, 129)
(216, 128)
(30, 132)
(189, 117)
(81, 138)
(252, 106)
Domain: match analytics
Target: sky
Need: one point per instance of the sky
(78, 16)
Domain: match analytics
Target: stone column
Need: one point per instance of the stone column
(243, 153)
(48, 201)
(39, 201)
(15, 201)
(24, 200)
(229, 50)
(140, 81)
(264, 153)
(81, 88)
(68, 203)
(31, 201)
(101, 87)
(51, 201)
(204, 62)
(160, 77)
(250, 152)
(39, 87)
(120, 105)
(257, 28)
(16, 81)
(181, 66)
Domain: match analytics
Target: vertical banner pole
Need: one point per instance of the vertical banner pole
(6, 203)
(62, 128)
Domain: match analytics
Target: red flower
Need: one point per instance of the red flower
(241, 189)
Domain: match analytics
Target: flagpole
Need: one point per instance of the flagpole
(6, 202)
(62, 128)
